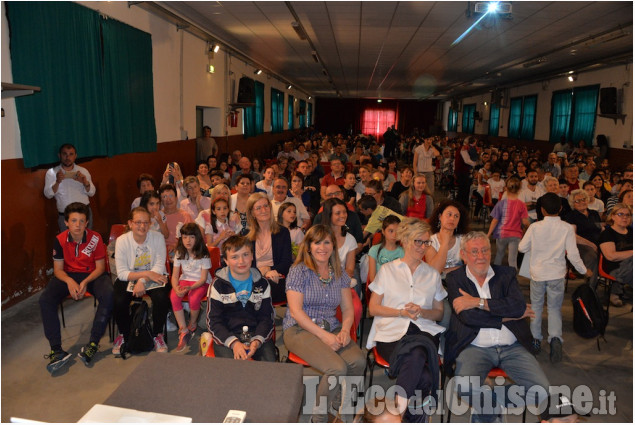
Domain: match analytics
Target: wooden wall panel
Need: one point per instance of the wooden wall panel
(29, 220)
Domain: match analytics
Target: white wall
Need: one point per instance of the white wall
(617, 133)
(181, 80)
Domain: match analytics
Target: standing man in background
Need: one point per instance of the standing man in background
(423, 161)
(206, 145)
(68, 183)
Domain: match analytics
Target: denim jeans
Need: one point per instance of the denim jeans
(555, 295)
(522, 367)
(512, 256)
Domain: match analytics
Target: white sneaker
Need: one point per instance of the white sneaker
(171, 327)
(159, 344)
(116, 346)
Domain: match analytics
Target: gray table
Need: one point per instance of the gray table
(206, 388)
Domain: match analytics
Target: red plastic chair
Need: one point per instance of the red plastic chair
(116, 230)
(357, 315)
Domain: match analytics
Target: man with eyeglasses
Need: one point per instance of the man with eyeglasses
(488, 330)
(280, 192)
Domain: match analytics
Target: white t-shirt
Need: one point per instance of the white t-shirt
(349, 245)
(528, 196)
(453, 258)
(596, 205)
(496, 187)
(191, 268)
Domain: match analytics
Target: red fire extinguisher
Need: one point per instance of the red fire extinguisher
(233, 119)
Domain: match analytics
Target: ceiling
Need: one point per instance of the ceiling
(408, 50)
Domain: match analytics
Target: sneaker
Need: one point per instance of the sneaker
(88, 352)
(536, 347)
(159, 344)
(170, 326)
(116, 346)
(615, 300)
(57, 359)
(184, 339)
(205, 345)
(556, 350)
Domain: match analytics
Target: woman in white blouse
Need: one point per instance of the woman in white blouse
(407, 300)
(335, 214)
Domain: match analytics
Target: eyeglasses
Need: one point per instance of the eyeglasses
(580, 201)
(419, 242)
(475, 252)
(622, 215)
(334, 194)
(141, 223)
(262, 207)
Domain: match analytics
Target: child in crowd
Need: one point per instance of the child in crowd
(220, 226)
(145, 182)
(508, 217)
(387, 250)
(249, 305)
(288, 218)
(548, 241)
(190, 276)
(349, 187)
(563, 188)
(152, 202)
(496, 185)
(594, 203)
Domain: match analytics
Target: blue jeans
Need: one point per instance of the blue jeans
(512, 256)
(476, 362)
(555, 295)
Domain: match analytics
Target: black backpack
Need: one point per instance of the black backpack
(589, 318)
(140, 339)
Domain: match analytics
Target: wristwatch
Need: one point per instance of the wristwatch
(481, 303)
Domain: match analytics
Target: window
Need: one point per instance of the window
(97, 91)
(309, 116)
(560, 115)
(277, 111)
(302, 113)
(522, 117)
(573, 114)
(452, 119)
(494, 119)
(290, 113)
(376, 121)
(468, 118)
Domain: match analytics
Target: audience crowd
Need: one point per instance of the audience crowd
(327, 220)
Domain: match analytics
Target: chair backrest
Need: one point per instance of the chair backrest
(487, 196)
(601, 269)
(357, 314)
(377, 238)
(214, 254)
(116, 230)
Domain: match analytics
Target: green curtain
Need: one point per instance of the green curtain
(290, 112)
(585, 101)
(56, 46)
(249, 122)
(560, 115)
(468, 118)
(128, 93)
(277, 110)
(515, 114)
(529, 118)
(303, 116)
(260, 108)
(494, 119)
(452, 119)
(309, 116)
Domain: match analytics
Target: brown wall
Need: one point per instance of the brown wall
(29, 220)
